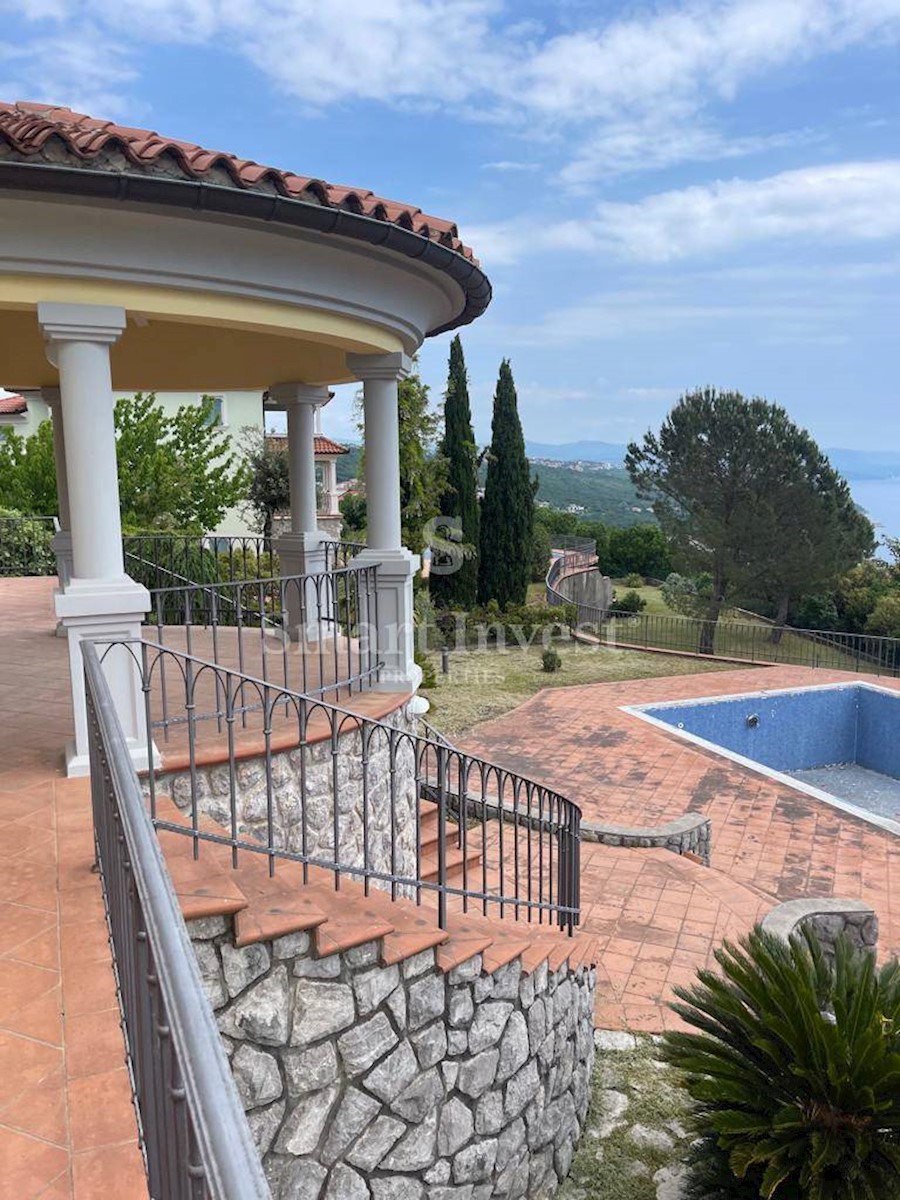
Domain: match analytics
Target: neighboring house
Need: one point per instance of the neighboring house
(328, 492)
(236, 411)
(13, 413)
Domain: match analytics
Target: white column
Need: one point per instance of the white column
(380, 375)
(330, 486)
(62, 541)
(301, 424)
(99, 601)
(301, 552)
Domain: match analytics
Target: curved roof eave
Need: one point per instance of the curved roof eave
(200, 196)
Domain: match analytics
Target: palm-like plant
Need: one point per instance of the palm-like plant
(795, 1070)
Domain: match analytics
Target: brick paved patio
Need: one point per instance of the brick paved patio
(659, 917)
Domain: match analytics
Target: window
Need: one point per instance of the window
(217, 415)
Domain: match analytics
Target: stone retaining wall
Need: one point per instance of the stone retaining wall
(828, 918)
(689, 834)
(370, 1082)
(389, 830)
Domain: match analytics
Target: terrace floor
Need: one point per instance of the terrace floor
(67, 1125)
(658, 917)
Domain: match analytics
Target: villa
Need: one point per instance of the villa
(239, 413)
(264, 935)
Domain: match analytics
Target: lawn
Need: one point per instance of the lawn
(738, 635)
(483, 684)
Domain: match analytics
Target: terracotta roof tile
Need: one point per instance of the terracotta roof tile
(14, 405)
(27, 127)
(324, 445)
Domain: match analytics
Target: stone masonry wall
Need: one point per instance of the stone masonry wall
(370, 1082)
(387, 828)
(829, 918)
(690, 834)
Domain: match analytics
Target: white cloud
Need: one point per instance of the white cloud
(659, 141)
(835, 204)
(633, 90)
(89, 71)
(844, 202)
(510, 165)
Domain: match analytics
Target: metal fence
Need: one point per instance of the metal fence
(25, 545)
(316, 634)
(746, 641)
(194, 1136)
(163, 559)
(499, 843)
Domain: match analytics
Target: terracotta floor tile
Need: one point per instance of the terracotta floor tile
(93, 1126)
(40, 1110)
(94, 1043)
(19, 925)
(24, 1063)
(22, 986)
(28, 1166)
(88, 986)
(115, 1171)
(41, 1019)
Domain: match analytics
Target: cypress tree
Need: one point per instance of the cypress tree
(459, 589)
(507, 512)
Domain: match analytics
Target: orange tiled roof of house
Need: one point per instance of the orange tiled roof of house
(29, 129)
(324, 445)
(13, 405)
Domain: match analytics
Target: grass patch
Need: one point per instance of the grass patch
(738, 635)
(483, 684)
(610, 1164)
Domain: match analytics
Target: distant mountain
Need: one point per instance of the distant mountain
(577, 451)
(854, 464)
(866, 464)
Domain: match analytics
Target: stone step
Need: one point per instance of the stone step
(293, 899)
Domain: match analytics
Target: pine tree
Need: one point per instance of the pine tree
(507, 513)
(458, 589)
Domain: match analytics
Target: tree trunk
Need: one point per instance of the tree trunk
(780, 621)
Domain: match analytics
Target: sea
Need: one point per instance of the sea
(881, 500)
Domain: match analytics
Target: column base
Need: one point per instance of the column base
(396, 623)
(304, 554)
(78, 765)
(106, 610)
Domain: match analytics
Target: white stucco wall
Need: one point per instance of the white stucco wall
(239, 410)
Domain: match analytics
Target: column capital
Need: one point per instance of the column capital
(380, 366)
(283, 395)
(101, 323)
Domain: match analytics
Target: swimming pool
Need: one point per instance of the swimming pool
(837, 742)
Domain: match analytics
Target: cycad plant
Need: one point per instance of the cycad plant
(795, 1070)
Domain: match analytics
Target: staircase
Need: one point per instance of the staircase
(297, 899)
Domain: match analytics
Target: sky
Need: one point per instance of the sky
(664, 195)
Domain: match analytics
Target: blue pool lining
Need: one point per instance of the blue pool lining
(759, 698)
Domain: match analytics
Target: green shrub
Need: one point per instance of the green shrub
(633, 580)
(550, 661)
(25, 545)
(795, 1071)
(631, 603)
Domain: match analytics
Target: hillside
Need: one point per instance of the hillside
(606, 495)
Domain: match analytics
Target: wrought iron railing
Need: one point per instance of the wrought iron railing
(25, 545)
(292, 777)
(160, 559)
(163, 559)
(195, 1138)
(745, 641)
(316, 634)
